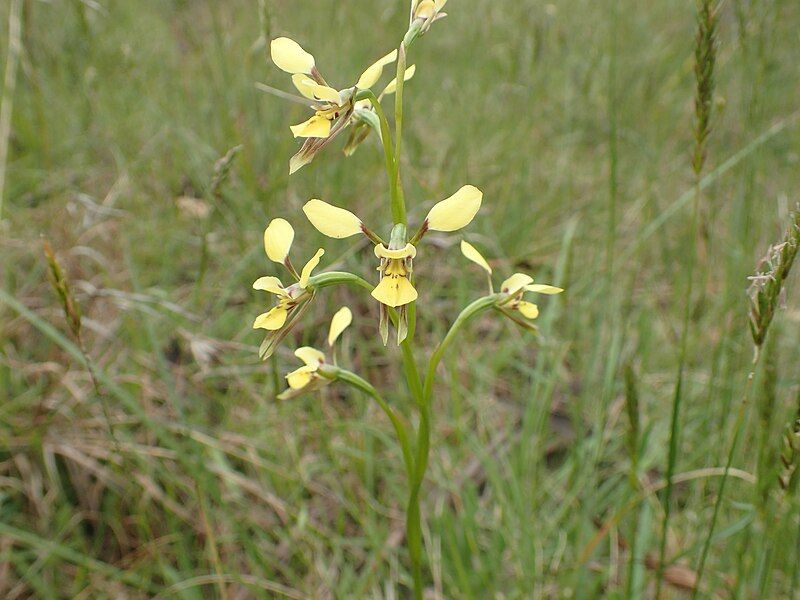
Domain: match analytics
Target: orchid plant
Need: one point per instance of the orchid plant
(360, 109)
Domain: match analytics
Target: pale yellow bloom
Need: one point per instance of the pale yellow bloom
(300, 378)
(423, 14)
(333, 109)
(278, 237)
(394, 288)
(513, 288)
(306, 378)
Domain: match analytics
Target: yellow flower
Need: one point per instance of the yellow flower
(278, 237)
(512, 289)
(333, 109)
(395, 288)
(423, 14)
(307, 377)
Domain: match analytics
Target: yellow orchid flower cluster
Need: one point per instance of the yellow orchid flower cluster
(291, 299)
(512, 289)
(333, 109)
(311, 375)
(395, 288)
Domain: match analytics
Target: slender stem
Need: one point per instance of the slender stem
(398, 204)
(413, 512)
(399, 427)
(738, 426)
(9, 86)
(398, 127)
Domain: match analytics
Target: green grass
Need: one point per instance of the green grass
(121, 110)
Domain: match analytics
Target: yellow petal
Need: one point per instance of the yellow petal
(289, 56)
(304, 85)
(375, 70)
(314, 91)
(515, 283)
(310, 266)
(469, 251)
(528, 309)
(340, 321)
(541, 288)
(331, 220)
(271, 320)
(278, 237)
(394, 291)
(316, 126)
(456, 211)
(392, 87)
(408, 251)
(311, 356)
(300, 378)
(439, 4)
(272, 285)
(425, 9)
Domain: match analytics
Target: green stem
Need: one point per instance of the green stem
(330, 278)
(413, 512)
(398, 128)
(399, 427)
(398, 203)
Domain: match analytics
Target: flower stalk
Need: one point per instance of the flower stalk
(395, 291)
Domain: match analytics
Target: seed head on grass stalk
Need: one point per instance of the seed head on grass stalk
(767, 284)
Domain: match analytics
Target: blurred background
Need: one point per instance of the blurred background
(180, 475)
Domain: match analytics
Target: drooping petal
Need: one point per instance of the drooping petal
(331, 220)
(271, 320)
(315, 91)
(315, 127)
(300, 378)
(471, 253)
(394, 291)
(408, 251)
(269, 284)
(456, 211)
(340, 321)
(375, 70)
(310, 266)
(515, 283)
(312, 357)
(289, 56)
(541, 288)
(392, 87)
(528, 309)
(304, 85)
(278, 237)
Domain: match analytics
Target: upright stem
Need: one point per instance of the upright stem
(413, 513)
(398, 127)
(398, 202)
